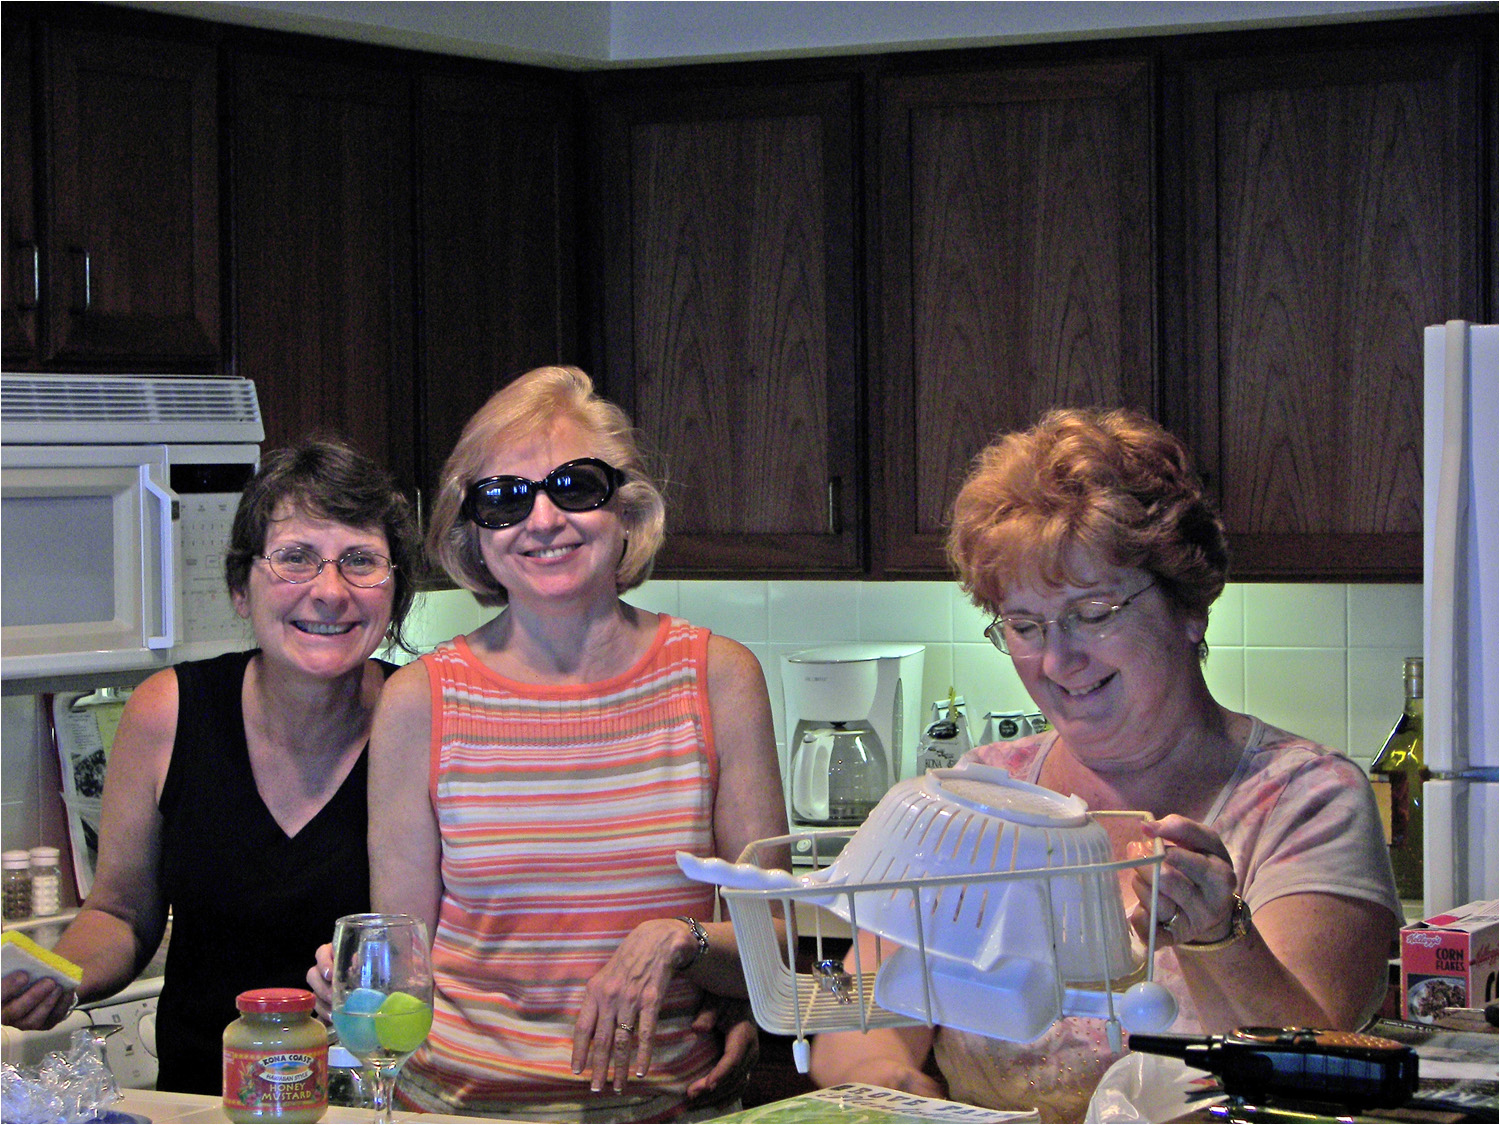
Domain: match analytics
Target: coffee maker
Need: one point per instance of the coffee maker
(853, 714)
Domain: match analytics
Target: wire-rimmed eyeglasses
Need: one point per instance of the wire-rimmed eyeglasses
(1022, 635)
(358, 568)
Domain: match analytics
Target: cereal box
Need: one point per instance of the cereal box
(1449, 961)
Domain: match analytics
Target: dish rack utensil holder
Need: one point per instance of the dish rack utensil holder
(1059, 952)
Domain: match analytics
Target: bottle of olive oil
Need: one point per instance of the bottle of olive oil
(1397, 774)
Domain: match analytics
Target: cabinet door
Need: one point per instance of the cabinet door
(728, 313)
(21, 268)
(1330, 214)
(133, 248)
(496, 244)
(1017, 271)
(323, 252)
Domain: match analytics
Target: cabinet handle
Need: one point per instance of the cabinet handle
(835, 490)
(34, 298)
(88, 279)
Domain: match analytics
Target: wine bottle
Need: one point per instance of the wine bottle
(1398, 774)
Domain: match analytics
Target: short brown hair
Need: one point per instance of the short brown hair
(324, 478)
(1113, 482)
(531, 405)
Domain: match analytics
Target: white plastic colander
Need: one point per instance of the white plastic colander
(1003, 898)
(961, 822)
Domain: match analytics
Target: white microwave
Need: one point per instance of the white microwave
(116, 497)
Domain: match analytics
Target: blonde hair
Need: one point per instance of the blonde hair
(1113, 483)
(533, 405)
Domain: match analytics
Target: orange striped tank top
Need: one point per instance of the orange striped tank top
(561, 809)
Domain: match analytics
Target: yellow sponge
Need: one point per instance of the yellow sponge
(18, 952)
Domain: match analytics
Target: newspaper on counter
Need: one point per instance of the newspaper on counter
(875, 1105)
(1456, 1069)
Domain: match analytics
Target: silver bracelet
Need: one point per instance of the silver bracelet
(698, 932)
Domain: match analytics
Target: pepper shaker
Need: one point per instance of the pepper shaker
(17, 867)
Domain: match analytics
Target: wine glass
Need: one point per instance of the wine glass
(382, 995)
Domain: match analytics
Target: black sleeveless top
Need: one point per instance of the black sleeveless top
(250, 906)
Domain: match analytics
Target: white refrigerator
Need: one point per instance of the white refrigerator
(1461, 570)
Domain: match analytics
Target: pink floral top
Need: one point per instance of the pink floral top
(1296, 817)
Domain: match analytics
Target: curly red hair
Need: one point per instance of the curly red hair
(1113, 483)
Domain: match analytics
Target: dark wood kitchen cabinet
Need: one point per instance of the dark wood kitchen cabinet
(1331, 208)
(121, 269)
(1017, 267)
(323, 251)
(496, 243)
(21, 263)
(727, 259)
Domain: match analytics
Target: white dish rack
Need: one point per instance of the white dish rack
(1057, 953)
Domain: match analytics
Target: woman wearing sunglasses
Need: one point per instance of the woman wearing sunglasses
(537, 777)
(1090, 543)
(235, 795)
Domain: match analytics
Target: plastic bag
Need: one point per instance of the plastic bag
(72, 1085)
(1141, 1087)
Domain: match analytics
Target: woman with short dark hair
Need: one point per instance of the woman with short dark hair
(235, 795)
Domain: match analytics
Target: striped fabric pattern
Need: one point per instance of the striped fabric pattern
(561, 810)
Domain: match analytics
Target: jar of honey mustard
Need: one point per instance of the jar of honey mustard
(275, 1058)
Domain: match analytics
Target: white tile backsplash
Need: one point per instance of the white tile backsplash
(1295, 615)
(905, 611)
(1320, 659)
(1226, 619)
(1225, 675)
(24, 734)
(733, 609)
(813, 613)
(1382, 615)
(1303, 690)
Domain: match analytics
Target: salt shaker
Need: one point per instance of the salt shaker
(46, 882)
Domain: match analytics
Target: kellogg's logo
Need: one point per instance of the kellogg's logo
(1430, 940)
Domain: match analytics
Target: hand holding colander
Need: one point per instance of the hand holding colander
(1004, 899)
(906, 874)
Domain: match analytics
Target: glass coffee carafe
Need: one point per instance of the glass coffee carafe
(839, 773)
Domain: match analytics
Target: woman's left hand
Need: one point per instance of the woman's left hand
(1197, 885)
(730, 1018)
(616, 1026)
(320, 981)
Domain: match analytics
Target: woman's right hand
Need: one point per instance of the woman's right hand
(897, 1074)
(320, 981)
(34, 1005)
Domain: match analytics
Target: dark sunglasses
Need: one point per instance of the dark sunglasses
(577, 486)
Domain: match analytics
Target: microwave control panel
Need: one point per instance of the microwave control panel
(207, 612)
(209, 492)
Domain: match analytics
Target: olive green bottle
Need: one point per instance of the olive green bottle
(1397, 774)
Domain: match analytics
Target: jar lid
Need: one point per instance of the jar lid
(275, 1000)
(15, 859)
(44, 856)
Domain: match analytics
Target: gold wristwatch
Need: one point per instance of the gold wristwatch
(1239, 926)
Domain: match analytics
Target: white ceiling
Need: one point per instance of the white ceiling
(591, 34)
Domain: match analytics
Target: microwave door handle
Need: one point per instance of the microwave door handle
(165, 499)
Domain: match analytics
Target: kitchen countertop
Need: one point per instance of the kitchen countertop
(160, 1106)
